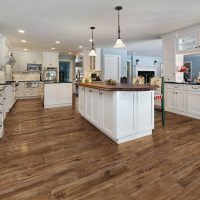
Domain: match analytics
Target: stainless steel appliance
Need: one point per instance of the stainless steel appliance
(50, 74)
(34, 67)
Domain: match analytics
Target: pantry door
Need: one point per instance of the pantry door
(112, 64)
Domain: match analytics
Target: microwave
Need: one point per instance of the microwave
(34, 67)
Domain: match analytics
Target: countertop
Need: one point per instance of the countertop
(118, 87)
(55, 82)
(186, 83)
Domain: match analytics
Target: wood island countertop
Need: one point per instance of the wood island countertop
(118, 87)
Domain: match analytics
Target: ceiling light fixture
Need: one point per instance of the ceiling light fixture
(21, 31)
(57, 42)
(52, 48)
(23, 41)
(119, 43)
(80, 46)
(90, 40)
(25, 49)
(92, 52)
(70, 53)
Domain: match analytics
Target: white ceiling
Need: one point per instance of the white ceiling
(68, 21)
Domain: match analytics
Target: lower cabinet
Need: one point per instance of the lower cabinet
(107, 112)
(183, 100)
(119, 114)
(193, 99)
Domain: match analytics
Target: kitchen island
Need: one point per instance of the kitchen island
(57, 94)
(123, 112)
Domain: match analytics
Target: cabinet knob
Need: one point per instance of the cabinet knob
(90, 90)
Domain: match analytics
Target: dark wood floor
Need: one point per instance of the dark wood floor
(55, 154)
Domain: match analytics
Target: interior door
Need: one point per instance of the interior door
(112, 64)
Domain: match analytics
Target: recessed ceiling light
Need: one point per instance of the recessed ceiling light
(25, 49)
(21, 31)
(52, 48)
(82, 54)
(57, 42)
(80, 46)
(70, 53)
(24, 41)
(90, 40)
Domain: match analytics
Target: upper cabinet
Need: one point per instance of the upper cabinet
(50, 59)
(24, 58)
(34, 58)
(187, 43)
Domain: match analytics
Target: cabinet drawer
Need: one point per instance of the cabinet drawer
(31, 92)
(193, 88)
(176, 86)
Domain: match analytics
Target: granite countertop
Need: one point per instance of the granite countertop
(118, 87)
(186, 83)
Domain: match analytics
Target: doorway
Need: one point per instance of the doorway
(64, 71)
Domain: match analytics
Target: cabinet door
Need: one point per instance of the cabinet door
(46, 60)
(88, 103)
(170, 99)
(81, 99)
(107, 113)
(169, 49)
(22, 62)
(181, 100)
(187, 42)
(54, 60)
(95, 107)
(169, 67)
(193, 99)
(35, 58)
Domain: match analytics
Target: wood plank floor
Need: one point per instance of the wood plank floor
(54, 154)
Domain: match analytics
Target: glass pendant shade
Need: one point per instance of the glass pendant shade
(92, 53)
(119, 44)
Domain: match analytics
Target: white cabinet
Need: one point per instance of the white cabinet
(88, 103)
(176, 97)
(50, 59)
(34, 58)
(183, 100)
(24, 58)
(121, 115)
(193, 99)
(170, 99)
(107, 113)
(169, 57)
(187, 42)
(81, 100)
(22, 61)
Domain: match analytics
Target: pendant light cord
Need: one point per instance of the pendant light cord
(92, 39)
(118, 26)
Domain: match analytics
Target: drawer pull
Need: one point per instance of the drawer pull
(90, 90)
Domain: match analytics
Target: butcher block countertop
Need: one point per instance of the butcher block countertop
(118, 87)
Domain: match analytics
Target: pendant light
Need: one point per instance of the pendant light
(119, 43)
(92, 52)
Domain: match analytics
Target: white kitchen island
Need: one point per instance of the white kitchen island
(57, 95)
(122, 112)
